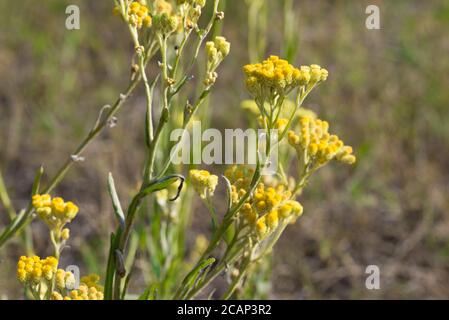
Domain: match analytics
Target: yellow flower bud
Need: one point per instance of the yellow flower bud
(203, 182)
(71, 210)
(285, 210)
(22, 275)
(272, 219)
(297, 208)
(261, 227)
(147, 21)
(222, 45)
(65, 234)
(60, 279)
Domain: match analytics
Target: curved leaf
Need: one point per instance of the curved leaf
(116, 202)
(162, 184)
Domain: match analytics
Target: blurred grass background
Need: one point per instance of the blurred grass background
(386, 95)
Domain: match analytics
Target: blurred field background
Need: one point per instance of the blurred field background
(387, 95)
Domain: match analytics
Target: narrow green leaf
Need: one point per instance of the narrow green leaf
(150, 293)
(162, 184)
(37, 181)
(109, 281)
(228, 192)
(193, 275)
(116, 202)
(148, 116)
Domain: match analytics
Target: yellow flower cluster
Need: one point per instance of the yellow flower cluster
(166, 24)
(203, 182)
(89, 289)
(216, 51)
(269, 207)
(33, 269)
(92, 280)
(82, 293)
(65, 280)
(138, 14)
(240, 179)
(316, 145)
(55, 213)
(276, 76)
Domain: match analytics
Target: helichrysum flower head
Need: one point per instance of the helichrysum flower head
(92, 280)
(275, 78)
(55, 212)
(166, 23)
(82, 293)
(317, 145)
(137, 14)
(271, 77)
(216, 51)
(89, 288)
(268, 207)
(261, 227)
(65, 280)
(240, 178)
(33, 270)
(203, 182)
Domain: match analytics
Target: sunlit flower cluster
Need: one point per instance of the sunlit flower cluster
(33, 270)
(272, 75)
(92, 280)
(166, 23)
(316, 146)
(276, 77)
(82, 293)
(55, 212)
(65, 280)
(136, 14)
(42, 276)
(240, 178)
(216, 51)
(89, 289)
(270, 207)
(203, 182)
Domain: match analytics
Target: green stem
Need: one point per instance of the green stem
(237, 280)
(149, 96)
(149, 166)
(227, 221)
